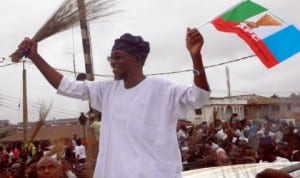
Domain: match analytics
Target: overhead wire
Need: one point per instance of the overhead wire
(34, 104)
(168, 73)
(14, 103)
(161, 73)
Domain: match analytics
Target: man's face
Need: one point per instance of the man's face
(16, 169)
(49, 168)
(265, 152)
(121, 64)
(261, 153)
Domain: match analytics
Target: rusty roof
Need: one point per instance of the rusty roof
(47, 133)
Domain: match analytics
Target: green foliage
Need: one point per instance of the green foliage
(4, 134)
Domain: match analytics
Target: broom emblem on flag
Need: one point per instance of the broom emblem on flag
(265, 20)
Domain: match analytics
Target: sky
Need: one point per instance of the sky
(161, 22)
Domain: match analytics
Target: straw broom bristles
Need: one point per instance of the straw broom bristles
(66, 16)
(43, 112)
(58, 143)
(58, 147)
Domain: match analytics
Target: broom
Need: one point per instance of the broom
(66, 16)
(43, 112)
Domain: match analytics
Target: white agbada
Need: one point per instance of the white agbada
(138, 131)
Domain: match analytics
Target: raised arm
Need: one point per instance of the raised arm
(194, 43)
(29, 47)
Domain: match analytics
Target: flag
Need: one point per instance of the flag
(271, 39)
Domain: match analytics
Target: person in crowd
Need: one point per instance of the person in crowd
(182, 137)
(67, 169)
(4, 158)
(30, 150)
(266, 130)
(16, 153)
(139, 113)
(74, 140)
(17, 170)
(80, 152)
(293, 141)
(48, 167)
(95, 126)
(266, 151)
(68, 153)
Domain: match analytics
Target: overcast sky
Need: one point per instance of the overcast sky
(163, 23)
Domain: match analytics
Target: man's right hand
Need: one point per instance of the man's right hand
(28, 48)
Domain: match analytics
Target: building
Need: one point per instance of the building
(51, 130)
(50, 123)
(250, 107)
(46, 133)
(269, 108)
(4, 123)
(220, 108)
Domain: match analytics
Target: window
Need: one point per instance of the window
(198, 111)
(275, 108)
(289, 107)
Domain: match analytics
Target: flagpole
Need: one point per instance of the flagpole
(222, 13)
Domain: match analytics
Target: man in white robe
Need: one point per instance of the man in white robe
(139, 114)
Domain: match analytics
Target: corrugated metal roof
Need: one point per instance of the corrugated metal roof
(48, 133)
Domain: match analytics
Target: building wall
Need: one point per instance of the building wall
(4, 123)
(271, 111)
(257, 108)
(224, 108)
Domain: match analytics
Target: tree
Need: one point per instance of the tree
(274, 96)
(4, 134)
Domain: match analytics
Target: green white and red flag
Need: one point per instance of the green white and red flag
(270, 38)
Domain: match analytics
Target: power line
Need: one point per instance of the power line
(9, 64)
(172, 72)
(15, 102)
(161, 73)
(34, 110)
(206, 67)
(34, 104)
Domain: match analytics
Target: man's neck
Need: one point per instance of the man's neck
(271, 158)
(133, 81)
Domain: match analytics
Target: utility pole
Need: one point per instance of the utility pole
(73, 53)
(85, 34)
(228, 82)
(25, 113)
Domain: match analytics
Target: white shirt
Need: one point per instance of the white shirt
(80, 151)
(278, 159)
(70, 174)
(181, 134)
(221, 135)
(138, 129)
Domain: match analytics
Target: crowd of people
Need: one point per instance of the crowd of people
(204, 145)
(63, 158)
(237, 142)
